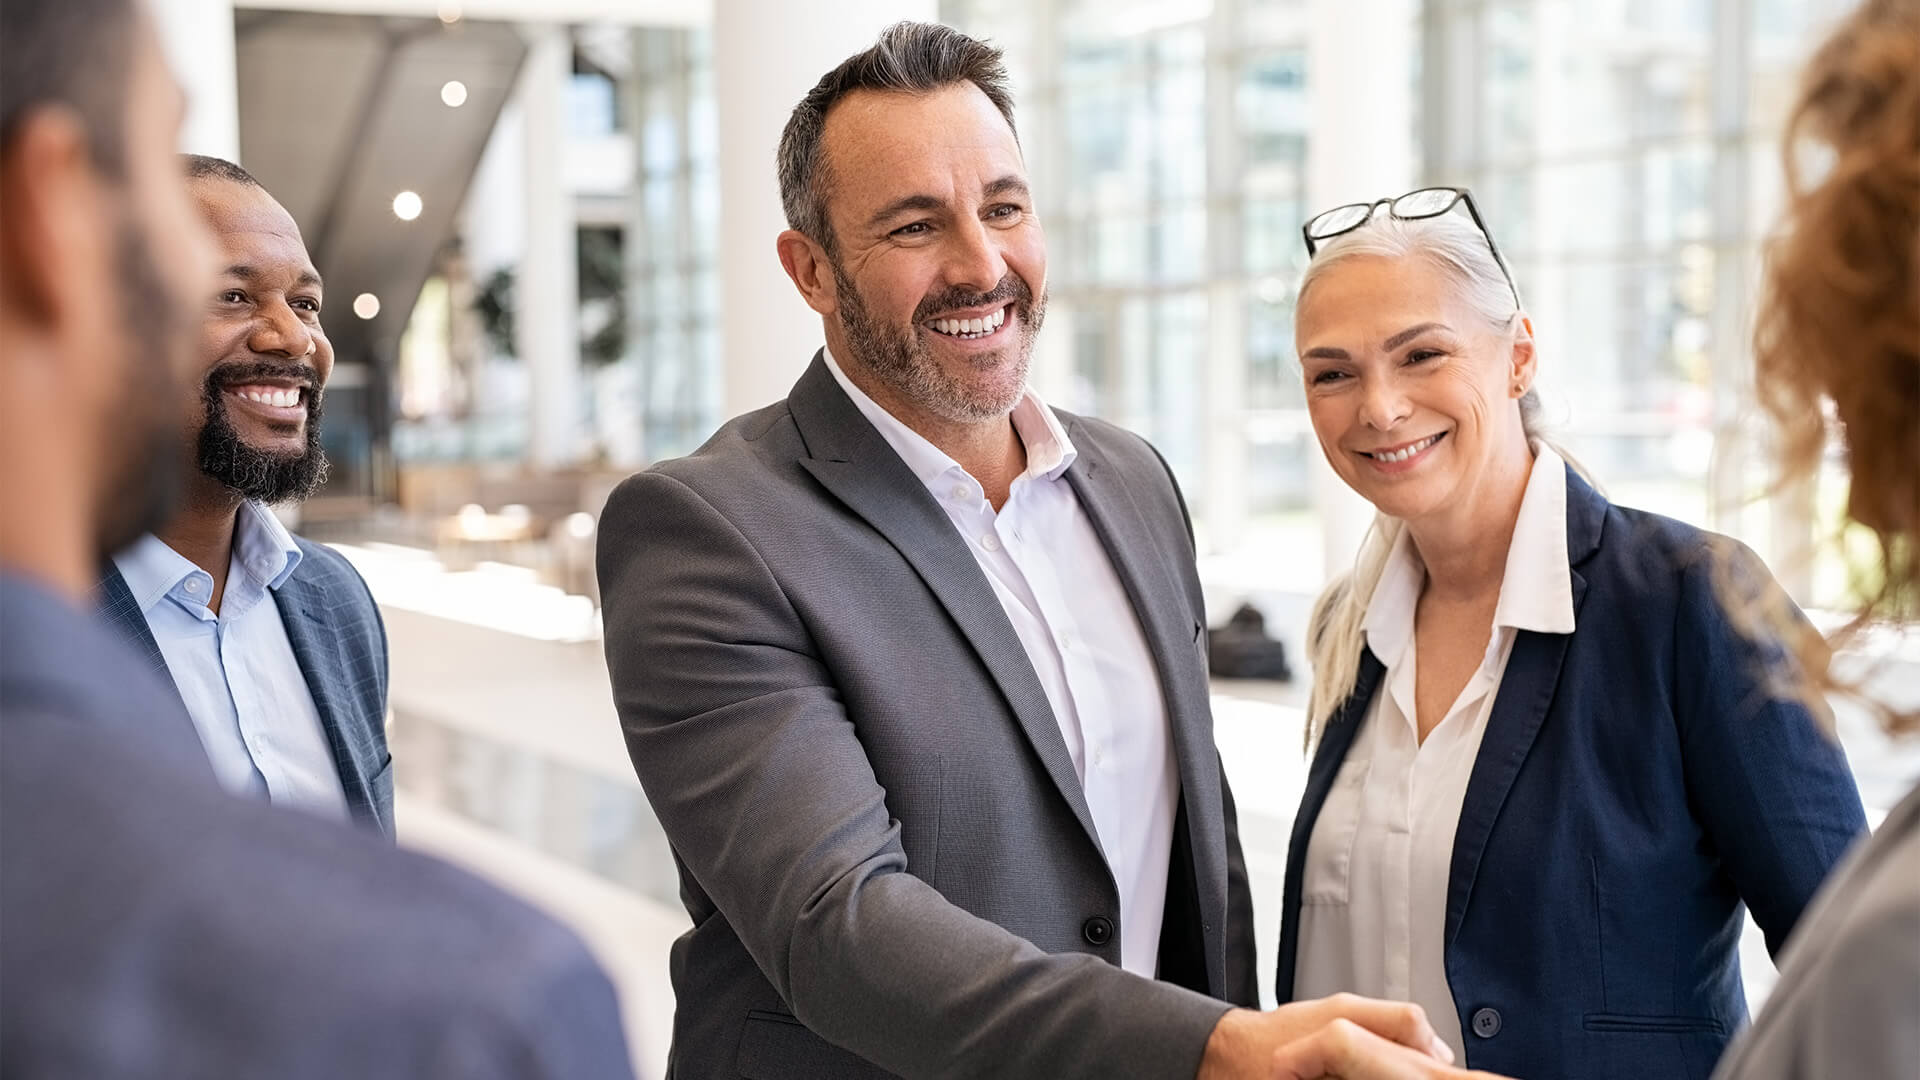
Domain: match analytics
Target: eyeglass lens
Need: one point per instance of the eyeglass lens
(1339, 220)
(1427, 202)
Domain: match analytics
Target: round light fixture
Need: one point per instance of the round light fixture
(366, 305)
(454, 94)
(450, 11)
(406, 206)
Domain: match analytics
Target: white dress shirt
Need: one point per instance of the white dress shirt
(1052, 575)
(236, 671)
(1374, 903)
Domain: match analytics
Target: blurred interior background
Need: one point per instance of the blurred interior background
(546, 229)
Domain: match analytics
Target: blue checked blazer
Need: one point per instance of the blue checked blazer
(341, 646)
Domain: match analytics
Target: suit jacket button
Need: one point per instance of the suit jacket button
(1097, 930)
(1486, 1023)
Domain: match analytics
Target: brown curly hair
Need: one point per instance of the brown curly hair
(1839, 308)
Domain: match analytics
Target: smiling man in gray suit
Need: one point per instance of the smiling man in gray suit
(911, 666)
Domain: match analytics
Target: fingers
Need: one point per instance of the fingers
(1398, 1021)
(1345, 1050)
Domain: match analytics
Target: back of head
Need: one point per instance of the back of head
(73, 54)
(909, 58)
(1839, 315)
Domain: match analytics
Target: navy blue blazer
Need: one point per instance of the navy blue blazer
(1634, 786)
(341, 646)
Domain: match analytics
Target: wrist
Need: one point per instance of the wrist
(1230, 1046)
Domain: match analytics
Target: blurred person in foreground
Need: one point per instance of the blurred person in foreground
(154, 925)
(273, 643)
(912, 667)
(1548, 772)
(1839, 336)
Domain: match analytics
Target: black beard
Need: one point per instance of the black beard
(899, 358)
(248, 471)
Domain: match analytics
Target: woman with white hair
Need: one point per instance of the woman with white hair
(1548, 770)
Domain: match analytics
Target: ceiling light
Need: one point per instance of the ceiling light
(454, 94)
(406, 206)
(366, 305)
(450, 11)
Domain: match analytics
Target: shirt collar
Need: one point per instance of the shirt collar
(1049, 451)
(1536, 589)
(262, 548)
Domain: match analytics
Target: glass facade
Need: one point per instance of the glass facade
(1624, 152)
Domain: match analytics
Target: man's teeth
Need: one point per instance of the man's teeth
(1404, 454)
(269, 396)
(971, 328)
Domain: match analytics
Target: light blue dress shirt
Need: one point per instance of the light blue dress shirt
(236, 671)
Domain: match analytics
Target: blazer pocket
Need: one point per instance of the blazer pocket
(1329, 863)
(1653, 1025)
(775, 1046)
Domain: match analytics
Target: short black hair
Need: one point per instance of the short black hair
(205, 167)
(910, 57)
(76, 53)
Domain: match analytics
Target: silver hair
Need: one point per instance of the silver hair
(910, 57)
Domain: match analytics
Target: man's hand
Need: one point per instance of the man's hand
(1243, 1043)
(1343, 1050)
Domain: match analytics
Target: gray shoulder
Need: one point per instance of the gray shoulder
(1849, 988)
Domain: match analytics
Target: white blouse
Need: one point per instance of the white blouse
(1380, 857)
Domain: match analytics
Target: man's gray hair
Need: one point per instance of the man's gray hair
(911, 58)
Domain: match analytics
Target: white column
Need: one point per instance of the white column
(1359, 148)
(197, 37)
(546, 294)
(766, 55)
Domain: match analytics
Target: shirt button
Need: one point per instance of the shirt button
(193, 584)
(1066, 642)
(961, 491)
(990, 542)
(1486, 1023)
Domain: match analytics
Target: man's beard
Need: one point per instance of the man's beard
(902, 359)
(143, 485)
(248, 471)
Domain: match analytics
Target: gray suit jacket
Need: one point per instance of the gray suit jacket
(156, 926)
(341, 647)
(887, 856)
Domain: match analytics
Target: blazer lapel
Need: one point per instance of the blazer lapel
(856, 466)
(1525, 695)
(1335, 743)
(313, 649)
(1173, 636)
(120, 608)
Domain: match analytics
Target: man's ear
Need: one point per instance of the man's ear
(58, 222)
(805, 261)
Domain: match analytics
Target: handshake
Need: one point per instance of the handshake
(1344, 1036)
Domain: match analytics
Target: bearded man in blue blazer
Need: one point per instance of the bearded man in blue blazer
(273, 643)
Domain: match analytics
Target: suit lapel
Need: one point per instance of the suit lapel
(1520, 708)
(119, 606)
(1173, 637)
(300, 604)
(856, 466)
(1335, 743)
